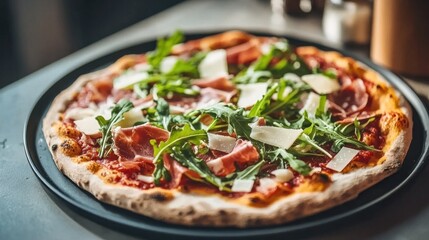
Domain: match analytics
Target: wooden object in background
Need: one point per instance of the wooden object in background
(400, 36)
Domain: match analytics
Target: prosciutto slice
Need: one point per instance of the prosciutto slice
(177, 171)
(243, 53)
(210, 96)
(220, 83)
(133, 143)
(243, 153)
(350, 99)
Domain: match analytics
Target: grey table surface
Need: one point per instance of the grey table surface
(27, 211)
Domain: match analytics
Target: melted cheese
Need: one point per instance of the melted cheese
(283, 175)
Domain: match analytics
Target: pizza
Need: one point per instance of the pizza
(229, 130)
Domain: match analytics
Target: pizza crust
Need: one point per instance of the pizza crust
(213, 210)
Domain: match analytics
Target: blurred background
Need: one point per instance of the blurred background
(393, 33)
(34, 33)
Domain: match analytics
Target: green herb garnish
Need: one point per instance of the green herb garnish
(106, 126)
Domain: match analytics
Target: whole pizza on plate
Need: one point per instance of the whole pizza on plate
(229, 130)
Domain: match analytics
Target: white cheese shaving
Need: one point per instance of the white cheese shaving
(312, 103)
(342, 159)
(214, 64)
(275, 136)
(266, 185)
(147, 179)
(142, 67)
(292, 77)
(127, 80)
(283, 175)
(167, 64)
(242, 185)
(88, 125)
(216, 165)
(321, 83)
(79, 113)
(131, 117)
(221, 143)
(251, 93)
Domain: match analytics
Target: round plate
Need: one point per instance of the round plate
(43, 165)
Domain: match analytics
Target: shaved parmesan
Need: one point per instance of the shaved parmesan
(129, 79)
(275, 136)
(312, 103)
(221, 143)
(251, 93)
(88, 125)
(242, 185)
(143, 178)
(79, 113)
(266, 186)
(321, 83)
(142, 67)
(342, 159)
(214, 64)
(292, 77)
(283, 175)
(167, 64)
(215, 165)
(131, 117)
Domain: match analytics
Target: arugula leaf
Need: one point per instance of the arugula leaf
(163, 48)
(187, 158)
(178, 137)
(321, 108)
(281, 155)
(326, 130)
(106, 126)
(248, 173)
(163, 110)
(240, 124)
(189, 66)
(178, 86)
(262, 104)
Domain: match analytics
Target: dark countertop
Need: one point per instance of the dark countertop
(28, 212)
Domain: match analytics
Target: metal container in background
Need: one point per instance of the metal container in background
(348, 21)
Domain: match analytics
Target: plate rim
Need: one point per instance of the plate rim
(30, 132)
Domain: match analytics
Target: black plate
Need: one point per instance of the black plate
(43, 166)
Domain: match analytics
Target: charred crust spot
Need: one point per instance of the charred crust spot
(70, 147)
(222, 212)
(54, 147)
(158, 196)
(255, 200)
(324, 178)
